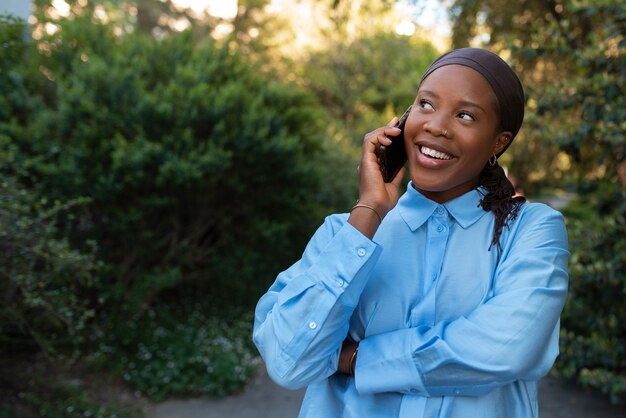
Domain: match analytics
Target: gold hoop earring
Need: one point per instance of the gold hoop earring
(493, 160)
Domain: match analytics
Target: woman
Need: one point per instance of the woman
(444, 302)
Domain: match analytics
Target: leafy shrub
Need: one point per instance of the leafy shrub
(593, 336)
(42, 279)
(195, 171)
(64, 401)
(197, 168)
(160, 355)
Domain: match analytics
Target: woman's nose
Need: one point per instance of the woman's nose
(437, 126)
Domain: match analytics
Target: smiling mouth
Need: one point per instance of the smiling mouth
(435, 154)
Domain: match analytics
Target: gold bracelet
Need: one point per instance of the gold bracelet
(353, 360)
(361, 205)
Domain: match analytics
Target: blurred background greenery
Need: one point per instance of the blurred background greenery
(160, 163)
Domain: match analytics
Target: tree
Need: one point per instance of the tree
(365, 82)
(351, 58)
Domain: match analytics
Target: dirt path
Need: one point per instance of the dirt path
(264, 399)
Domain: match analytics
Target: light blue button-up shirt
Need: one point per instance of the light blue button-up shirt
(446, 327)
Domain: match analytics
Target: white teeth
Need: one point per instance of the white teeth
(435, 154)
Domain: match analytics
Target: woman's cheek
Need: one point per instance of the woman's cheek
(411, 128)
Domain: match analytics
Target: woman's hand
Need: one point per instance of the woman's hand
(376, 196)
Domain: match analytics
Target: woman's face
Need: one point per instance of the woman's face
(451, 132)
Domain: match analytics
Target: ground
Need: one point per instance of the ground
(264, 399)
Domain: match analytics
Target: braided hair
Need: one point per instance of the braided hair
(500, 199)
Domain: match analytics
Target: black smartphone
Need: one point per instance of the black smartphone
(392, 158)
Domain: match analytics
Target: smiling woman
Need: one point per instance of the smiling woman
(443, 302)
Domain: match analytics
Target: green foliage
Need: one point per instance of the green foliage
(364, 83)
(207, 354)
(501, 23)
(11, 42)
(65, 401)
(592, 95)
(362, 72)
(197, 172)
(196, 168)
(43, 280)
(593, 338)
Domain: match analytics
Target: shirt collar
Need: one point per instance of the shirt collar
(415, 208)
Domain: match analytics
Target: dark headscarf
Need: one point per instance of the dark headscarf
(499, 75)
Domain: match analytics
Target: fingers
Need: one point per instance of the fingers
(380, 135)
(377, 140)
(398, 178)
(393, 121)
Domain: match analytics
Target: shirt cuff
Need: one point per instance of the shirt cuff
(385, 364)
(347, 261)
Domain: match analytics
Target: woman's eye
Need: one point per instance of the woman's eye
(466, 116)
(425, 105)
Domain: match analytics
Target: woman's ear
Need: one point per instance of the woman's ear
(502, 141)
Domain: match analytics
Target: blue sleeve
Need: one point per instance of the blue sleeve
(302, 320)
(511, 336)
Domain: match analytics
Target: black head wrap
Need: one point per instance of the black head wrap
(499, 75)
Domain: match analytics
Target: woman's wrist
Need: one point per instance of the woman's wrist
(347, 357)
(365, 221)
(366, 217)
(370, 207)
(353, 359)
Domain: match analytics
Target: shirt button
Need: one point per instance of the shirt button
(312, 325)
(339, 283)
(457, 391)
(439, 211)
(361, 252)
(439, 228)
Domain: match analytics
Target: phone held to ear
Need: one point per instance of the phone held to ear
(392, 158)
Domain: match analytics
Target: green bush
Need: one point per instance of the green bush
(207, 354)
(42, 279)
(135, 168)
(593, 336)
(197, 168)
(64, 401)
